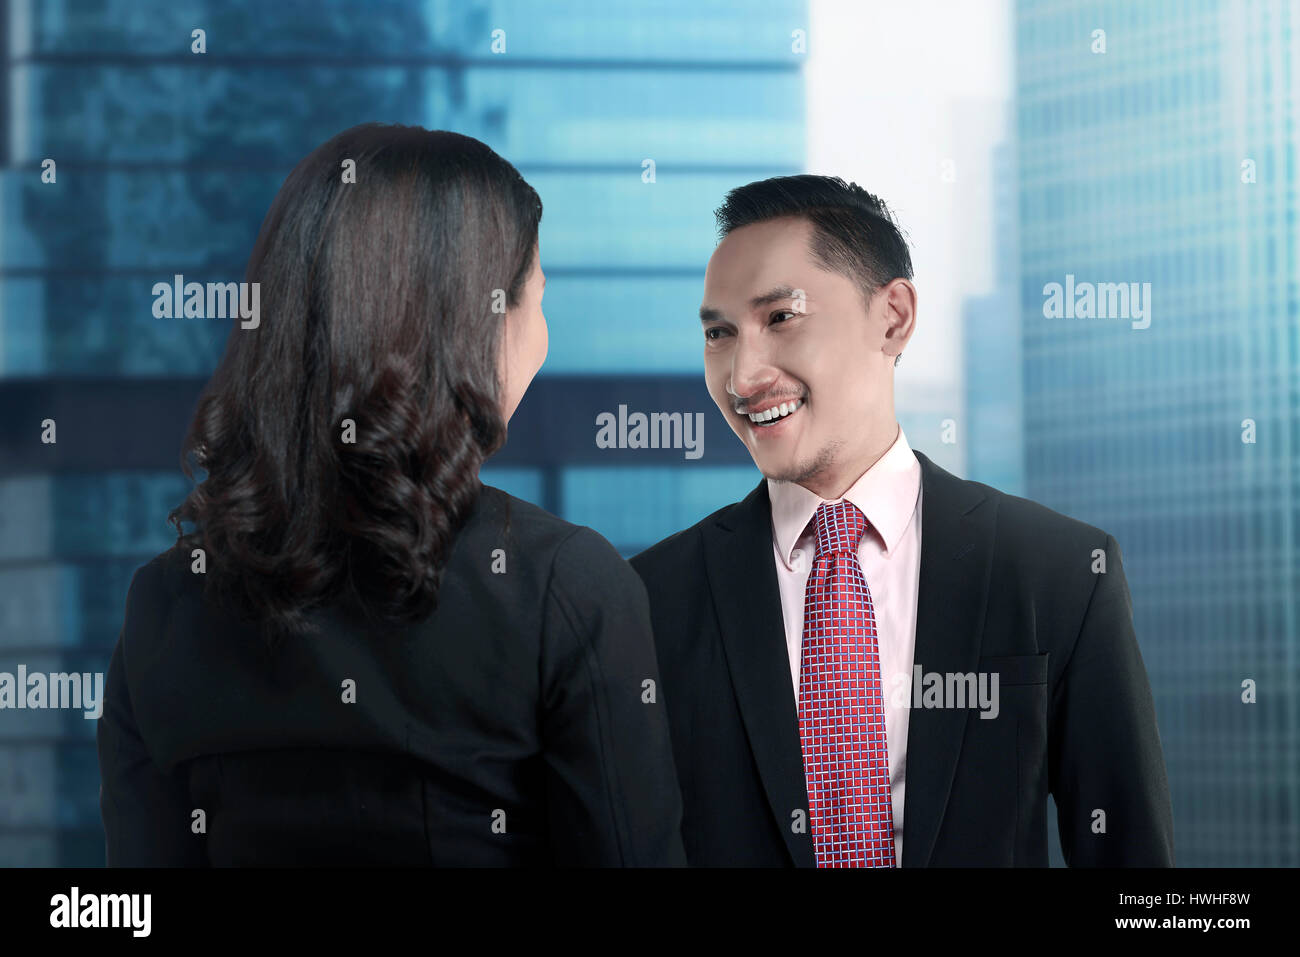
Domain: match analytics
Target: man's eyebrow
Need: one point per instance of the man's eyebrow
(775, 294)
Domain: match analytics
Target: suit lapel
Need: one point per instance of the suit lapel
(742, 578)
(956, 556)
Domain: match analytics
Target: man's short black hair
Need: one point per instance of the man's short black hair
(854, 232)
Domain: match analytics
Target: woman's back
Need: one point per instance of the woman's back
(519, 724)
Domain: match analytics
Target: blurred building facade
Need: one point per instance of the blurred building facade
(991, 348)
(1157, 145)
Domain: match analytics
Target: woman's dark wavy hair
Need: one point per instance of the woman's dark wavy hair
(380, 303)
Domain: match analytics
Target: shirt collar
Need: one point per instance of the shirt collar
(886, 493)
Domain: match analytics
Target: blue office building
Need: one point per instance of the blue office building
(1161, 352)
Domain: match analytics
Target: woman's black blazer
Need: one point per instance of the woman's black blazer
(520, 724)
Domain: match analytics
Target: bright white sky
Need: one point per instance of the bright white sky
(894, 89)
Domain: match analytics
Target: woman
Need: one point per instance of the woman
(360, 654)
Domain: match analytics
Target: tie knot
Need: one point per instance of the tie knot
(840, 527)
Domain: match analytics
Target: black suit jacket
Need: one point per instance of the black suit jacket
(1006, 585)
(508, 728)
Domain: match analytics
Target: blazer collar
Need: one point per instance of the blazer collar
(956, 551)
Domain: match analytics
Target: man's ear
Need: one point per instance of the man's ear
(899, 297)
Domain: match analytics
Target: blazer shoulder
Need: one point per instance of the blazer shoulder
(155, 583)
(1048, 527)
(1016, 516)
(1047, 540)
(529, 522)
(577, 556)
(154, 589)
(1044, 543)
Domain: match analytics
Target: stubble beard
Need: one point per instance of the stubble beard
(802, 472)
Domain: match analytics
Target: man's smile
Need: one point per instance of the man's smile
(774, 420)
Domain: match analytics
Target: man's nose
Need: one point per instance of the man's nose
(752, 371)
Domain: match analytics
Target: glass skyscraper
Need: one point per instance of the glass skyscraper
(1157, 156)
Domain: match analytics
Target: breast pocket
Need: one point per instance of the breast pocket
(1020, 694)
(1016, 669)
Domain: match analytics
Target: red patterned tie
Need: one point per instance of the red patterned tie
(841, 707)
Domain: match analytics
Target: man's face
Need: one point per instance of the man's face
(779, 329)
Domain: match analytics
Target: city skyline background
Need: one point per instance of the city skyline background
(1012, 147)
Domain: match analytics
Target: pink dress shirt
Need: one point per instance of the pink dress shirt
(889, 494)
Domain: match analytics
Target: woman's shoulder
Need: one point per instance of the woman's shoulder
(554, 554)
(572, 552)
(162, 576)
(155, 587)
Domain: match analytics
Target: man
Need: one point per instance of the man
(868, 661)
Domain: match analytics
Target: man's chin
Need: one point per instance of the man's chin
(789, 469)
(783, 465)
(779, 471)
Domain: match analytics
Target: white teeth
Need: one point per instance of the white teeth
(776, 412)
